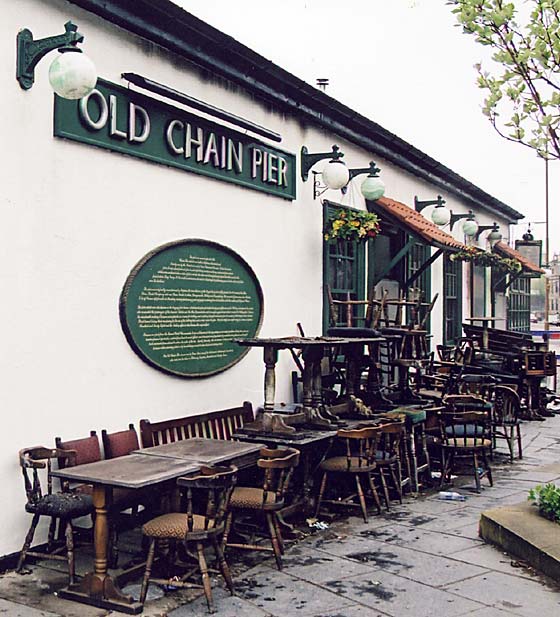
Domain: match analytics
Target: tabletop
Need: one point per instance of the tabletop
(201, 450)
(303, 438)
(484, 318)
(299, 342)
(130, 471)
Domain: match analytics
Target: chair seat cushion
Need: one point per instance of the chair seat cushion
(468, 442)
(250, 497)
(469, 430)
(340, 463)
(173, 525)
(64, 505)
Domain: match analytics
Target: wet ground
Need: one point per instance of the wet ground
(423, 558)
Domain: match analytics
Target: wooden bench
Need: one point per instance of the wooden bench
(220, 424)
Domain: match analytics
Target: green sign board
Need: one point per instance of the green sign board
(184, 304)
(126, 121)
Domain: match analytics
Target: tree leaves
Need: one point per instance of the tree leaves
(522, 86)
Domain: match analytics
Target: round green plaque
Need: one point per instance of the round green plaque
(185, 303)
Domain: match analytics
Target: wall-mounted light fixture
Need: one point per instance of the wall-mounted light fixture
(372, 187)
(440, 214)
(71, 75)
(335, 173)
(470, 226)
(493, 237)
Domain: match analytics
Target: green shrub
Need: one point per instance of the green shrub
(547, 498)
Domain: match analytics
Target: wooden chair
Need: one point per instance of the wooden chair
(120, 443)
(388, 458)
(202, 525)
(505, 419)
(278, 465)
(87, 450)
(358, 461)
(466, 434)
(62, 507)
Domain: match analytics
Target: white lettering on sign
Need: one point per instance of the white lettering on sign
(130, 121)
(270, 167)
(98, 124)
(110, 112)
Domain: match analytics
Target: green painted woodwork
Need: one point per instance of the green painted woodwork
(126, 121)
(185, 303)
(394, 261)
(343, 268)
(452, 300)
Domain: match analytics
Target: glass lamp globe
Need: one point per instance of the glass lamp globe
(494, 237)
(335, 175)
(372, 188)
(470, 227)
(72, 75)
(441, 216)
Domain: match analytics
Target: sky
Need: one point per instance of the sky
(405, 65)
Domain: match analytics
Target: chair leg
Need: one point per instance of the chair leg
(28, 541)
(384, 486)
(69, 532)
(519, 446)
(374, 493)
(227, 529)
(52, 532)
(148, 570)
(274, 540)
(511, 443)
(476, 476)
(113, 548)
(222, 563)
(321, 493)
(361, 497)
(488, 468)
(396, 483)
(279, 533)
(205, 576)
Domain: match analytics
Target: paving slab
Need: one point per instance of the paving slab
(398, 596)
(281, 594)
(12, 609)
(225, 605)
(520, 596)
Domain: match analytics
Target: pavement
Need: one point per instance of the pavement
(421, 559)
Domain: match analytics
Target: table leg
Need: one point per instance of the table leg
(97, 588)
(270, 359)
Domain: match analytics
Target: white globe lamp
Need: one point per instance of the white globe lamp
(470, 227)
(441, 216)
(335, 174)
(72, 75)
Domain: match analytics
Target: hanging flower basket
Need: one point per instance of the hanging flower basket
(488, 260)
(352, 225)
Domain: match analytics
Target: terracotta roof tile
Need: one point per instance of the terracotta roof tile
(417, 224)
(507, 251)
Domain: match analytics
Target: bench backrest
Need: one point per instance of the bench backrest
(220, 424)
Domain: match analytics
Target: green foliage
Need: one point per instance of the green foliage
(352, 225)
(522, 91)
(547, 498)
(488, 260)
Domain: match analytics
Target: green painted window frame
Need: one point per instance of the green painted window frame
(519, 305)
(452, 300)
(416, 258)
(335, 254)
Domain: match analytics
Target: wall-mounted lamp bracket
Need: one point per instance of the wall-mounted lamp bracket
(308, 160)
(372, 171)
(318, 188)
(457, 217)
(420, 205)
(482, 228)
(29, 52)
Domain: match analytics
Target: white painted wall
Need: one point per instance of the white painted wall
(76, 219)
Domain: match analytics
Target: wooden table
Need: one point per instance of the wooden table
(484, 321)
(148, 467)
(207, 451)
(313, 350)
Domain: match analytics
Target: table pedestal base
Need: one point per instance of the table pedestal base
(101, 591)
